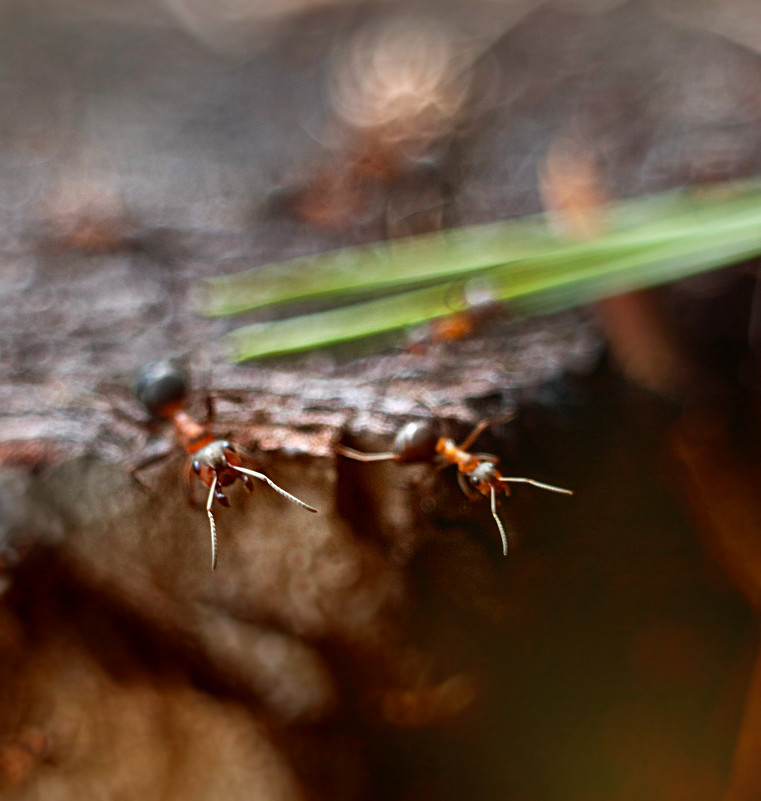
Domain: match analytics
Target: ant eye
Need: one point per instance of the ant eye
(475, 480)
(228, 446)
(196, 466)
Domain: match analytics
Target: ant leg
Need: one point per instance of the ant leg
(146, 461)
(221, 497)
(487, 457)
(470, 493)
(535, 483)
(360, 456)
(481, 427)
(474, 435)
(498, 521)
(247, 483)
(210, 410)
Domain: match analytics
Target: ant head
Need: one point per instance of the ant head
(161, 385)
(416, 441)
(213, 456)
(484, 477)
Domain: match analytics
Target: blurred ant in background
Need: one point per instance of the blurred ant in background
(399, 94)
(477, 474)
(162, 388)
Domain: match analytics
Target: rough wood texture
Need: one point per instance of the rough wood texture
(108, 226)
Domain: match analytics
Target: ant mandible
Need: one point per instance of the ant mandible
(477, 474)
(162, 388)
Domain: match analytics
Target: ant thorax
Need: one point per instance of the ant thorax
(446, 446)
(451, 453)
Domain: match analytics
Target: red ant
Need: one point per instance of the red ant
(162, 389)
(477, 473)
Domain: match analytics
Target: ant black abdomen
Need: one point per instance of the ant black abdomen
(416, 441)
(161, 387)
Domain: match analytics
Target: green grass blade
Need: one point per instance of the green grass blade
(564, 279)
(459, 252)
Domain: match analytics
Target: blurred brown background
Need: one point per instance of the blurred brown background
(384, 649)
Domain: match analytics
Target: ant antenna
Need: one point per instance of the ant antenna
(350, 453)
(499, 522)
(536, 484)
(212, 525)
(274, 486)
